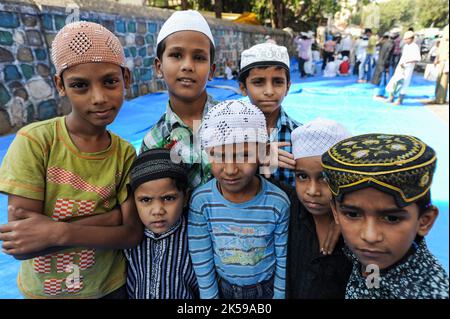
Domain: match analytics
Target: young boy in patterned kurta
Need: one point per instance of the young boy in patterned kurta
(160, 267)
(381, 199)
(66, 178)
(185, 60)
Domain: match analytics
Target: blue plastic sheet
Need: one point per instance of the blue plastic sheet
(341, 99)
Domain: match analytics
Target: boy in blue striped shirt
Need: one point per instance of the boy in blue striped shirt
(238, 222)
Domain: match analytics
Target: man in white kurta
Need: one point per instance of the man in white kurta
(404, 71)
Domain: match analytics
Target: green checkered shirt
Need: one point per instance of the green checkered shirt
(171, 132)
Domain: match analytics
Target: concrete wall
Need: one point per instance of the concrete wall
(27, 29)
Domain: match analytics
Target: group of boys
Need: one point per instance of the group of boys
(208, 209)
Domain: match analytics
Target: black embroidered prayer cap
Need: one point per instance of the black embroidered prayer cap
(400, 165)
(155, 164)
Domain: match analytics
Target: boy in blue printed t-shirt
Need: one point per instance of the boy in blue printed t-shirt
(238, 222)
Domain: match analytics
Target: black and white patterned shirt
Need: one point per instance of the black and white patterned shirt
(160, 266)
(418, 276)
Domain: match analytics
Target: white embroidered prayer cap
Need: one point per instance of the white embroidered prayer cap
(408, 35)
(188, 20)
(233, 122)
(316, 137)
(264, 54)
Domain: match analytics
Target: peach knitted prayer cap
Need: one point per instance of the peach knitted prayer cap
(85, 42)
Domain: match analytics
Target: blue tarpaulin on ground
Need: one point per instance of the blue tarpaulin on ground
(341, 99)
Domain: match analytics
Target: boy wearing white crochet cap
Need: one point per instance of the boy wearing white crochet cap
(264, 77)
(185, 60)
(237, 225)
(66, 178)
(313, 273)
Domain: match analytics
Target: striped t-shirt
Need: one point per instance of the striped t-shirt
(160, 266)
(245, 243)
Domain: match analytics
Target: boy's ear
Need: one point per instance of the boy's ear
(158, 69)
(334, 210)
(59, 85)
(127, 77)
(243, 89)
(212, 70)
(288, 87)
(426, 220)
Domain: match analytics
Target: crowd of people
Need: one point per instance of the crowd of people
(373, 59)
(231, 200)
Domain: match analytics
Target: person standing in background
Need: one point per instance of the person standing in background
(370, 51)
(382, 68)
(304, 52)
(442, 63)
(403, 73)
(328, 51)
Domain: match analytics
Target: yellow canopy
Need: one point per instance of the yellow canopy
(247, 18)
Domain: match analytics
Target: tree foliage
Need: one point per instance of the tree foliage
(303, 15)
(297, 14)
(413, 13)
(432, 13)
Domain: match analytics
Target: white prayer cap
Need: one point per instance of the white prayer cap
(188, 20)
(233, 122)
(264, 54)
(408, 35)
(316, 137)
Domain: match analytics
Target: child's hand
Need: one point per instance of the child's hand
(277, 158)
(285, 159)
(334, 232)
(31, 232)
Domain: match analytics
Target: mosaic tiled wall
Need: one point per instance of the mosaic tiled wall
(27, 92)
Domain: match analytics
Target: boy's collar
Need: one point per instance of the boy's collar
(417, 249)
(170, 231)
(173, 120)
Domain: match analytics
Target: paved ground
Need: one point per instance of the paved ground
(440, 109)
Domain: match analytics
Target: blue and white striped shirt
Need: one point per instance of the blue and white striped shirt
(160, 266)
(245, 243)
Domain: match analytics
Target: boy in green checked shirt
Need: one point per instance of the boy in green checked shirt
(185, 59)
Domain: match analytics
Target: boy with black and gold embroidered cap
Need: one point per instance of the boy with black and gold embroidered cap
(381, 199)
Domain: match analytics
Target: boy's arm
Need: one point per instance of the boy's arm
(202, 255)
(35, 232)
(28, 207)
(281, 236)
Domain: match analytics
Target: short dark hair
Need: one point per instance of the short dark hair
(180, 184)
(162, 47)
(243, 77)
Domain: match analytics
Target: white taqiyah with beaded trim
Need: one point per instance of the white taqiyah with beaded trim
(264, 54)
(85, 42)
(187, 20)
(316, 137)
(233, 122)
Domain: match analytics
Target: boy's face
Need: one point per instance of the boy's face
(266, 88)
(376, 229)
(409, 40)
(234, 166)
(95, 91)
(186, 64)
(160, 204)
(312, 190)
